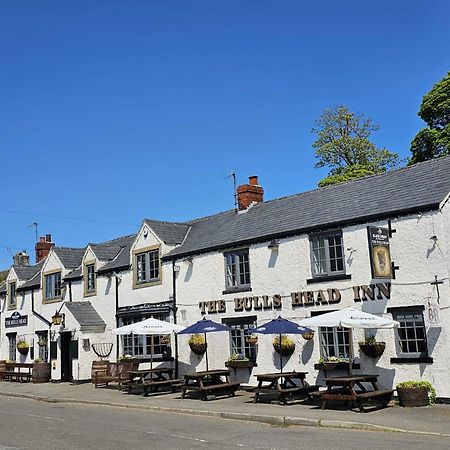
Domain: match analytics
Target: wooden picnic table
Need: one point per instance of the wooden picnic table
(209, 381)
(17, 372)
(344, 389)
(283, 384)
(152, 379)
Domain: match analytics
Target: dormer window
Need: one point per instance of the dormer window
(52, 286)
(12, 295)
(147, 267)
(89, 279)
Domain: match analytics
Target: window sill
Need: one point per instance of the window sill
(236, 290)
(147, 359)
(90, 294)
(406, 360)
(147, 284)
(52, 300)
(328, 278)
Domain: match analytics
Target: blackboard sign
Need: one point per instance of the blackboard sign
(16, 320)
(380, 254)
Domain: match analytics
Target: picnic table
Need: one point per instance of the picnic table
(344, 389)
(17, 372)
(283, 384)
(209, 381)
(152, 379)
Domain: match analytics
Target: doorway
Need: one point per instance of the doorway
(66, 356)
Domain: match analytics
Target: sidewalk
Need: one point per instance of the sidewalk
(426, 420)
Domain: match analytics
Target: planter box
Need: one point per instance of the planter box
(239, 364)
(342, 365)
(373, 350)
(412, 397)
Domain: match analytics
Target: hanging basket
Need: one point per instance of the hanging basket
(284, 348)
(23, 348)
(308, 336)
(374, 350)
(198, 347)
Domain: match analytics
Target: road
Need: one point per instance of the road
(27, 424)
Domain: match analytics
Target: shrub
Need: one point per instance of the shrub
(420, 384)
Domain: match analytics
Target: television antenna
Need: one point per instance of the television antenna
(35, 225)
(233, 175)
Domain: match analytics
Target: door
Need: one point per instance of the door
(66, 356)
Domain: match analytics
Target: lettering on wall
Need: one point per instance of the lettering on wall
(362, 293)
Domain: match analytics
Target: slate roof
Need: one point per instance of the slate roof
(415, 188)
(2, 288)
(70, 257)
(27, 272)
(34, 282)
(75, 274)
(86, 315)
(122, 260)
(106, 251)
(171, 233)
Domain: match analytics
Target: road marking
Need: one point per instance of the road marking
(34, 415)
(206, 441)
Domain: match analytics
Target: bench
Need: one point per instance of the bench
(105, 372)
(228, 387)
(21, 372)
(150, 385)
(380, 398)
(283, 392)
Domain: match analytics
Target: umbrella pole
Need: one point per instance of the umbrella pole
(151, 353)
(350, 359)
(281, 356)
(206, 353)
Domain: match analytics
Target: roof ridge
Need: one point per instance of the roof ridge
(166, 222)
(112, 240)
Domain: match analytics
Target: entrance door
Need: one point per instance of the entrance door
(66, 357)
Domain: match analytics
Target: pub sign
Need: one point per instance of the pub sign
(380, 254)
(16, 320)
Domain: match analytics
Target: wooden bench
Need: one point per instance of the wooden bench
(21, 372)
(229, 388)
(106, 372)
(150, 386)
(284, 392)
(380, 398)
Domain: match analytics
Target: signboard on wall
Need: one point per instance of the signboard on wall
(16, 320)
(380, 254)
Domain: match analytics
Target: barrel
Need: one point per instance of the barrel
(417, 396)
(41, 372)
(99, 366)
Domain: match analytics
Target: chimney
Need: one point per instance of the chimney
(249, 194)
(21, 259)
(43, 247)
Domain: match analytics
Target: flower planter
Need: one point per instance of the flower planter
(41, 372)
(283, 350)
(198, 348)
(23, 350)
(411, 397)
(373, 350)
(308, 336)
(336, 365)
(239, 364)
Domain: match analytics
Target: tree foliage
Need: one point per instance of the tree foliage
(344, 146)
(433, 141)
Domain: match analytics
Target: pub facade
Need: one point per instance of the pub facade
(380, 244)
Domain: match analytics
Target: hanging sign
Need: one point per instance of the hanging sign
(432, 315)
(380, 254)
(16, 320)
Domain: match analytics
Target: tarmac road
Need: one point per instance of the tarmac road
(28, 424)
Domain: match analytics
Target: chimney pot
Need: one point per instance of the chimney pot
(48, 238)
(253, 180)
(43, 247)
(42, 239)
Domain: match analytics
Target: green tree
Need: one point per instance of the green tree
(433, 141)
(343, 145)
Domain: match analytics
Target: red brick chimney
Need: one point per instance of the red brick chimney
(248, 194)
(43, 247)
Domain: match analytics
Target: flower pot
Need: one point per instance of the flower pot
(239, 364)
(41, 372)
(411, 397)
(373, 350)
(23, 350)
(283, 349)
(198, 347)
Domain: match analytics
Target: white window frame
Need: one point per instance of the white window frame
(241, 329)
(234, 269)
(148, 263)
(326, 257)
(334, 343)
(52, 285)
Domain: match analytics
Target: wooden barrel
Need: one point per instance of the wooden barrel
(99, 366)
(41, 372)
(412, 396)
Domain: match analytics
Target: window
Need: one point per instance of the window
(53, 286)
(12, 346)
(237, 270)
(411, 336)
(334, 342)
(42, 340)
(147, 266)
(12, 295)
(327, 254)
(90, 278)
(141, 346)
(241, 329)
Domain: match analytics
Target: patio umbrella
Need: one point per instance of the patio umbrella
(349, 318)
(151, 327)
(281, 326)
(205, 326)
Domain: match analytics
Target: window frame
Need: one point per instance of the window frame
(12, 346)
(89, 291)
(56, 297)
(11, 285)
(244, 325)
(328, 272)
(43, 351)
(236, 253)
(335, 332)
(405, 311)
(145, 252)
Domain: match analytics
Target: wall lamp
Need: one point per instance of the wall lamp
(58, 318)
(274, 244)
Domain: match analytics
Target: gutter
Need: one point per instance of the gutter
(174, 312)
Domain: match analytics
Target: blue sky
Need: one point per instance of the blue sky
(113, 111)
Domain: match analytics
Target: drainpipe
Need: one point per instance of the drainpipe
(117, 310)
(70, 291)
(174, 311)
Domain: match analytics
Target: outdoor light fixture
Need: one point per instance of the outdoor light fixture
(273, 244)
(176, 268)
(189, 260)
(58, 319)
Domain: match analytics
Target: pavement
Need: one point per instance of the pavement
(430, 420)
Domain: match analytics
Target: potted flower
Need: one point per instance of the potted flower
(283, 345)
(335, 363)
(308, 336)
(22, 346)
(416, 393)
(252, 339)
(41, 372)
(198, 344)
(165, 340)
(42, 342)
(371, 347)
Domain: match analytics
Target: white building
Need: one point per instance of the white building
(295, 257)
